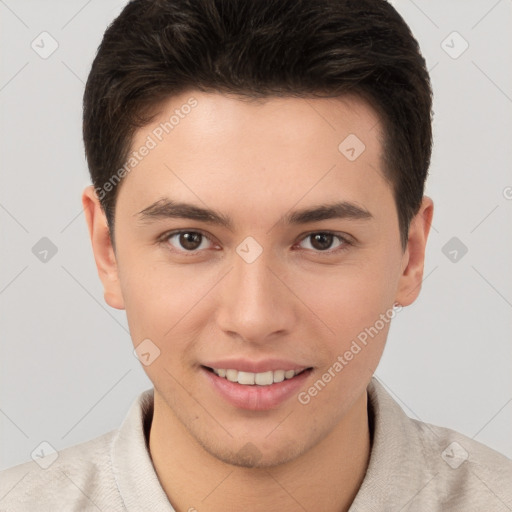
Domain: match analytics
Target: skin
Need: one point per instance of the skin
(256, 161)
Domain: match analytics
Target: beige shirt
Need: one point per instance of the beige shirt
(414, 467)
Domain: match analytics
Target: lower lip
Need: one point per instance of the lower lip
(256, 398)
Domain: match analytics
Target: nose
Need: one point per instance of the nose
(255, 306)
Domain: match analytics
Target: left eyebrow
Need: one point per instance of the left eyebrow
(166, 208)
(340, 210)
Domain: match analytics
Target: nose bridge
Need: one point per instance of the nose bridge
(252, 281)
(254, 304)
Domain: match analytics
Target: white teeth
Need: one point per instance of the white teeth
(264, 379)
(279, 375)
(232, 375)
(260, 379)
(289, 374)
(246, 378)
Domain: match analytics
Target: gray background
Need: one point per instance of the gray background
(67, 371)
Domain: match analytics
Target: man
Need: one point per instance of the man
(257, 209)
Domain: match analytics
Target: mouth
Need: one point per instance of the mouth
(256, 379)
(261, 391)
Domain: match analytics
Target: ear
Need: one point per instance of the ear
(409, 285)
(104, 254)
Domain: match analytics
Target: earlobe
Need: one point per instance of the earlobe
(103, 251)
(409, 285)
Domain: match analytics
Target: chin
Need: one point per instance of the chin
(250, 456)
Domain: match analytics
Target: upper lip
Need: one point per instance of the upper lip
(246, 365)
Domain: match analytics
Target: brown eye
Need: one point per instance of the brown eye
(324, 241)
(187, 241)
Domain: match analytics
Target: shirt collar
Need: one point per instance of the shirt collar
(133, 468)
(397, 469)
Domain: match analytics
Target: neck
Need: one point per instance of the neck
(326, 477)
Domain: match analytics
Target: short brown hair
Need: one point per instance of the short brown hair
(261, 48)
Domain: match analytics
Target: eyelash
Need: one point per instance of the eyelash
(346, 243)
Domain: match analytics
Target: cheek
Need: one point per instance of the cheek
(348, 298)
(355, 302)
(160, 299)
(159, 303)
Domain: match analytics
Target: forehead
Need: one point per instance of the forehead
(259, 150)
(284, 119)
(194, 116)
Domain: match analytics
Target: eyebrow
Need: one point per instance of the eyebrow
(167, 208)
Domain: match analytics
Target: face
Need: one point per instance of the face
(258, 241)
